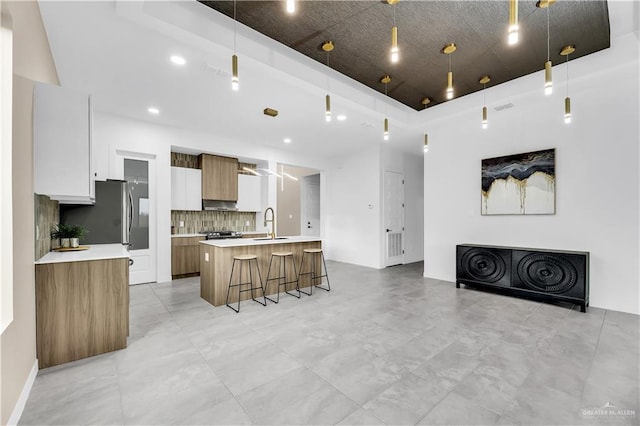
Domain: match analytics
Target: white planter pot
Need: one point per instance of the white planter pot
(74, 242)
(65, 242)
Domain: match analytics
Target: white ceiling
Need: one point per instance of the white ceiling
(119, 53)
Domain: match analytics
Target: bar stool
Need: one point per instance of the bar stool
(282, 257)
(313, 255)
(242, 258)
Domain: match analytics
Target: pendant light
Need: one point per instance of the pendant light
(395, 53)
(385, 134)
(327, 46)
(485, 119)
(512, 38)
(548, 80)
(235, 83)
(291, 6)
(426, 102)
(566, 51)
(448, 50)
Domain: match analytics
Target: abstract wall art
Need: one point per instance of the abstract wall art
(519, 184)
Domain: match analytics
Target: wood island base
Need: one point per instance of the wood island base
(216, 262)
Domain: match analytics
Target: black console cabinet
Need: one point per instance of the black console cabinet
(538, 273)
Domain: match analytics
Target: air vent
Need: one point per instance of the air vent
(366, 124)
(505, 106)
(270, 112)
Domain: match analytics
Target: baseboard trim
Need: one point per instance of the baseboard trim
(22, 401)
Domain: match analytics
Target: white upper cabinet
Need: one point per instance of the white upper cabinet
(62, 145)
(249, 193)
(186, 189)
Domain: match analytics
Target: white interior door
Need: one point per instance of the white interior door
(139, 171)
(394, 217)
(310, 224)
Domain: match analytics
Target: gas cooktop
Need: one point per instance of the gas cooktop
(221, 235)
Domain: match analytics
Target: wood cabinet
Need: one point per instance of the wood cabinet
(219, 177)
(185, 256)
(63, 155)
(249, 193)
(82, 309)
(186, 189)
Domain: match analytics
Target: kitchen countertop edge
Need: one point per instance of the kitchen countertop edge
(95, 252)
(240, 242)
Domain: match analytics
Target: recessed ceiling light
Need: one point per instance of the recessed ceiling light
(341, 117)
(178, 60)
(153, 110)
(287, 140)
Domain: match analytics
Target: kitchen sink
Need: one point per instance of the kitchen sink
(269, 238)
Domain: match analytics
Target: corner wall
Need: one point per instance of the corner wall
(597, 179)
(19, 339)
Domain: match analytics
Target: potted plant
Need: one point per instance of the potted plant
(68, 235)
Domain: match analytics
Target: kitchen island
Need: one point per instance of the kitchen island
(216, 259)
(82, 303)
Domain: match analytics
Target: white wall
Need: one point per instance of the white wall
(597, 180)
(352, 210)
(413, 207)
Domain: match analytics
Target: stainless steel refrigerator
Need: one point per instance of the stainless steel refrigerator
(108, 221)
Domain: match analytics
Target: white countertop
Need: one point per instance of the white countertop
(95, 252)
(241, 242)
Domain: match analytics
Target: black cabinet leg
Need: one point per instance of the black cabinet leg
(457, 285)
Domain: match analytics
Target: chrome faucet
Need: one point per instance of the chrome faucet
(272, 220)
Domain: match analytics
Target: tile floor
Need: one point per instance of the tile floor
(383, 347)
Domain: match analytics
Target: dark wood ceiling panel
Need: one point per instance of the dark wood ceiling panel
(361, 31)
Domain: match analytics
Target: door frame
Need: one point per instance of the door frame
(303, 200)
(121, 155)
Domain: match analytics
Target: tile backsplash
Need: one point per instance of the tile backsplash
(197, 221)
(47, 215)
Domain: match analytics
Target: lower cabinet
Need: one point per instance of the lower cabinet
(82, 309)
(549, 275)
(185, 256)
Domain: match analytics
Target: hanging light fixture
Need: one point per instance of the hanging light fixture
(512, 38)
(548, 80)
(235, 83)
(566, 51)
(395, 53)
(426, 102)
(327, 46)
(448, 50)
(385, 80)
(291, 6)
(485, 119)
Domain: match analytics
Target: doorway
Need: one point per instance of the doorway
(139, 171)
(394, 217)
(310, 206)
(298, 201)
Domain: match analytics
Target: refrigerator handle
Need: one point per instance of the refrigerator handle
(130, 219)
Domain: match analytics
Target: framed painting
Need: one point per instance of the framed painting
(519, 184)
